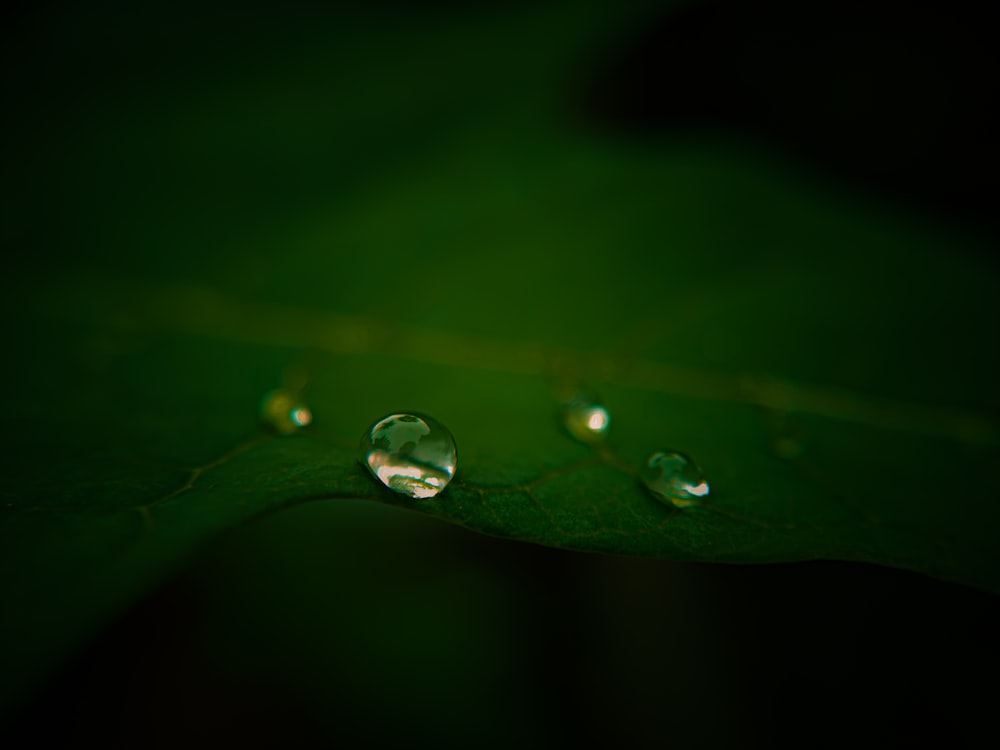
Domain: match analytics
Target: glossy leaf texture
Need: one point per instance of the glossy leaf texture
(397, 233)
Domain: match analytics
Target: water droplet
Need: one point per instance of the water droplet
(675, 478)
(411, 454)
(586, 419)
(283, 411)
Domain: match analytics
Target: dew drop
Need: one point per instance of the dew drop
(283, 411)
(675, 478)
(411, 454)
(586, 419)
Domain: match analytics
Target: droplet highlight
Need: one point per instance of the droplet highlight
(586, 419)
(674, 478)
(412, 454)
(284, 412)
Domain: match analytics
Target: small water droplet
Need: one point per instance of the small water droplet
(674, 477)
(283, 411)
(586, 419)
(411, 454)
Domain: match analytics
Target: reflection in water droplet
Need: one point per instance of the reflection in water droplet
(411, 454)
(675, 478)
(284, 412)
(586, 419)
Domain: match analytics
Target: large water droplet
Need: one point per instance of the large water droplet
(411, 454)
(586, 419)
(284, 412)
(675, 478)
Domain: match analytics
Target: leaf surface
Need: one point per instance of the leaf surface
(824, 362)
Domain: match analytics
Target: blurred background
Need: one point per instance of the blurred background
(211, 145)
(358, 625)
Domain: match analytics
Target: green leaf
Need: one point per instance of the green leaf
(202, 243)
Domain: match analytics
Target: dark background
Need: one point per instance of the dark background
(351, 625)
(359, 626)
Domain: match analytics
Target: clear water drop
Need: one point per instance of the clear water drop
(586, 419)
(674, 477)
(411, 454)
(284, 412)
